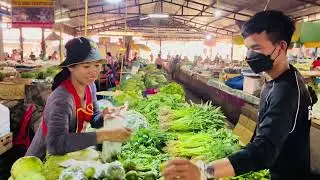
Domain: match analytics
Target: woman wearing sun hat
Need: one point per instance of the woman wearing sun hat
(73, 104)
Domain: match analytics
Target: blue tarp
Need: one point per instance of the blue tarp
(236, 82)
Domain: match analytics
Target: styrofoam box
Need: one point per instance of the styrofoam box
(251, 84)
(4, 120)
(4, 130)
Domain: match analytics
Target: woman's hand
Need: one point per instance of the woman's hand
(114, 135)
(112, 112)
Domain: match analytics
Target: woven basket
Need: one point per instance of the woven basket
(11, 90)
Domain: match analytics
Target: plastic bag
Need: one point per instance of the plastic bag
(110, 149)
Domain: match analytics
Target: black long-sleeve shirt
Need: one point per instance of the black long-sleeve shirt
(281, 142)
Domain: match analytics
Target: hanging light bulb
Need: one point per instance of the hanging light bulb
(208, 36)
(217, 13)
(113, 1)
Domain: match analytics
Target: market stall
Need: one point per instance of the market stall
(164, 126)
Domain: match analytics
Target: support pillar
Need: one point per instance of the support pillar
(1, 42)
(21, 44)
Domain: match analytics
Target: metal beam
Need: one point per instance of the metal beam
(299, 17)
(203, 10)
(237, 10)
(221, 9)
(109, 22)
(192, 8)
(202, 25)
(178, 15)
(311, 2)
(112, 11)
(107, 11)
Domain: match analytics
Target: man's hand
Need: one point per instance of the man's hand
(181, 169)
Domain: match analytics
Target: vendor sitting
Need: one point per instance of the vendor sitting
(32, 56)
(316, 63)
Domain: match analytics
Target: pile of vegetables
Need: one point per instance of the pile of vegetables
(41, 74)
(155, 80)
(52, 169)
(195, 117)
(173, 88)
(112, 171)
(151, 106)
(207, 146)
(144, 153)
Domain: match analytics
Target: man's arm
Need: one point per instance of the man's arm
(271, 134)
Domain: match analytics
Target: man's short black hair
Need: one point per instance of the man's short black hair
(277, 25)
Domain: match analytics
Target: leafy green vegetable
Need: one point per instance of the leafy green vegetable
(150, 176)
(132, 97)
(207, 146)
(28, 75)
(145, 150)
(155, 80)
(150, 107)
(260, 175)
(41, 74)
(196, 117)
(26, 164)
(129, 165)
(132, 175)
(173, 88)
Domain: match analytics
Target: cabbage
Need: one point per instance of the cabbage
(52, 169)
(87, 154)
(31, 175)
(115, 171)
(72, 173)
(135, 120)
(26, 164)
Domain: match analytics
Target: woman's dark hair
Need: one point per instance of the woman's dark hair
(60, 77)
(77, 49)
(108, 53)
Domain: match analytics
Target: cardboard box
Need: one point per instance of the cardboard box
(244, 129)
(5, 143)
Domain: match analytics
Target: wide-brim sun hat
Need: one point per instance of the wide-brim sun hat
(93, 56)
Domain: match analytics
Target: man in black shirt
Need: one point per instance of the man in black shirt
(281, 142)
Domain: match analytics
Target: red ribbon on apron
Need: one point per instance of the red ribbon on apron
(82, 115)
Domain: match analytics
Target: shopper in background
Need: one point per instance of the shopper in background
(15, 56)
(282, 138)
(54, 56)
(73, 104)
(42, 55)
(111, 71)
(158, 62)
(151, 58)
(32, 56)
(175, 65)
(316, 63)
